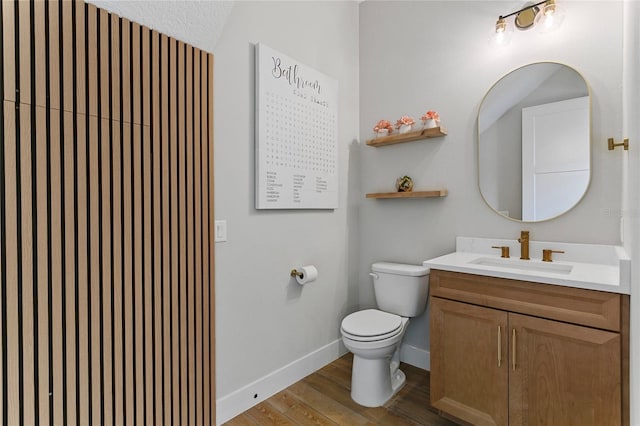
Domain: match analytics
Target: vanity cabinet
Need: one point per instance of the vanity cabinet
(514, 352)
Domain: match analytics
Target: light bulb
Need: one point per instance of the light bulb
(549, 18)
(502, 33)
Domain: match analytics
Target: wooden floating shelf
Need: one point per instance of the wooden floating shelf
(435, 132)
(413, 194)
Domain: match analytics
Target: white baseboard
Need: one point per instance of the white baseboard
(229, 406)
(415, 356)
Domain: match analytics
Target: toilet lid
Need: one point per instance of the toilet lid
(371, 324)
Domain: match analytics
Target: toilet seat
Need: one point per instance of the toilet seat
(371, 325)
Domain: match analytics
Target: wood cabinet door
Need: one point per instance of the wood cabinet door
(564, 374)
(467, 342)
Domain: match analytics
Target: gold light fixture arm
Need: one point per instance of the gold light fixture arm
(624, 143)
(531, 6)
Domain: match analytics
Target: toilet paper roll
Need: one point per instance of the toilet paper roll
(309, 274)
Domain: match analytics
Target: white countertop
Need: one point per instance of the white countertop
(589, 266)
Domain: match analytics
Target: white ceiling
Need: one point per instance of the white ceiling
(199, 23)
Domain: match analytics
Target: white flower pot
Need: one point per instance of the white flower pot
(430, 123)
(405, 128)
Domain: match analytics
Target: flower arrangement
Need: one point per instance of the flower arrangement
(405, 120)
(430, 119)
(383, 127)
(405, 123)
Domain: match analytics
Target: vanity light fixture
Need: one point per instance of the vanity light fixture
(546, 16)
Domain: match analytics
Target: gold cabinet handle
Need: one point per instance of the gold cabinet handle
(513, 350)
(499, 346)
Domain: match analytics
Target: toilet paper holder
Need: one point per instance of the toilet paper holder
(296, 273)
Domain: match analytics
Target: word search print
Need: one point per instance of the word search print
(296, 134)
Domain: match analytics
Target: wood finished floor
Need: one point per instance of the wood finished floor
(323, 398)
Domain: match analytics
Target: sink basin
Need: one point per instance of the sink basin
(588, 266)
(525, 265)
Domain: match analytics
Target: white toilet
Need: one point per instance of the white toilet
(374, 335)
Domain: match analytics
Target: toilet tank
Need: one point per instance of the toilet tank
(400, 289)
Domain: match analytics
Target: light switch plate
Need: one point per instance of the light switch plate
(221, 231)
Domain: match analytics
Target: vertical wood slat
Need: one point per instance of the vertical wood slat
(26, 284)
(12, 266)
(42, 397)
(93, 295)
(54, 54)
(138, 263)
(122, 142)
(165, 178)
(174, 233)
(205, 235)
(107, 284)
(67, 57)
(211, 217)
(84, 242)
(147, 311)
(197, 205)
(69, 268)
(158, 281)
(190, 238)
(8, 49)
(43, 272)
(3, 280)
(129, 392)
(182, 236)
(81, 59)
(56, 267)
(23, 56)
(40, 55)
(116, 214)
(138, 266)
(127, 214)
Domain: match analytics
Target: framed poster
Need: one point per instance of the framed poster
(296, 134)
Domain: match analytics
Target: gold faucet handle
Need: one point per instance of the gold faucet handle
(504, 250)
(547, 254)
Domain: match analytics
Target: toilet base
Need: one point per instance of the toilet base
(375, 381)
(398, 379)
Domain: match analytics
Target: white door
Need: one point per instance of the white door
(555, 157)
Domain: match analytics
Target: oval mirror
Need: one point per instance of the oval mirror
(534, 142)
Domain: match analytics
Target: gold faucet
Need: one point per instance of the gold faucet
(548, 253)
(504, 250)
(524, 245)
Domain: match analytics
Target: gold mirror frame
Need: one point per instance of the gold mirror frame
(497, 85)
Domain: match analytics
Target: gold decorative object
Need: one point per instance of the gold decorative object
(404, 184)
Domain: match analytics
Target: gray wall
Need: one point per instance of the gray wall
(264, 319)
(416, 56)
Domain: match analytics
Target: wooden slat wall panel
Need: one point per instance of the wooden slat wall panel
(106, 212)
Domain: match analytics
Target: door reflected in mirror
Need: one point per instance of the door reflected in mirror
(534, 142)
